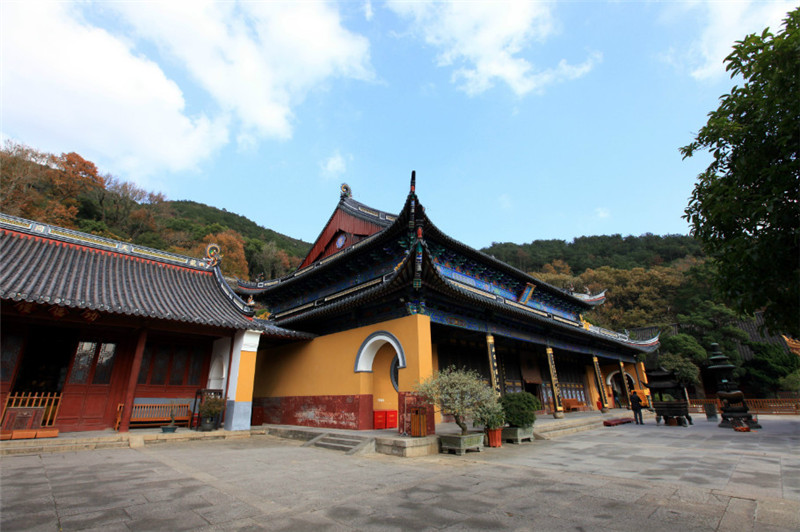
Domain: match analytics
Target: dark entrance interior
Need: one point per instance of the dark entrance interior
(45, 360)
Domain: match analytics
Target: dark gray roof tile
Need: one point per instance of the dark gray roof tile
(55, 266)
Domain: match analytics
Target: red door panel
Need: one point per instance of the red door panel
(86, 400)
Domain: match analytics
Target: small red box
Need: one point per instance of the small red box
(379, 419)
(391, 419)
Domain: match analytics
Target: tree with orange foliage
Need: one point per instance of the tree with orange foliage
(43, 186)
(23, 175)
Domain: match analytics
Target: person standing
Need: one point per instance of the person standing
(636, 406)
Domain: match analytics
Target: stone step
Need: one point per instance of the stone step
(345, 443)
(33, 442)
(65, 446)
(562, 428)
(333, 446)
(343, 440)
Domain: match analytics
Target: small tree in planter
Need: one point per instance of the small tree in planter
(493, 419)
(520, 412)
(460, 393)
(209, 412)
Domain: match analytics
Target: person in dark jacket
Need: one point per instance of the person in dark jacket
(636, 406)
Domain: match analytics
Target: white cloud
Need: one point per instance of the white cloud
(257, 59)
(724, 24)
(602, 213)
(334, 166)
(483, 42)
(69, 85)
(368, 13)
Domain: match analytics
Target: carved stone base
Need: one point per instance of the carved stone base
(461, 444)
(517, 434)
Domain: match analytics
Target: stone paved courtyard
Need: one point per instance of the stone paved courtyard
(622, 478)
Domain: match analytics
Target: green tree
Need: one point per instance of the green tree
(458, 392)
(791, 382)
(685, 345)
(686, 372)
(745, 207)
(770, 363)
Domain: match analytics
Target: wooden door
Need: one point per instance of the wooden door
(89, 392)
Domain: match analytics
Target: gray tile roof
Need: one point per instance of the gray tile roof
(50, 265)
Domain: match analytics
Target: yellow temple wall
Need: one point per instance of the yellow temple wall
(325, 365)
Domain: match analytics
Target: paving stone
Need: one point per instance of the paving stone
(34, 521)
(113, 519)
(633, 478)
(164, 519)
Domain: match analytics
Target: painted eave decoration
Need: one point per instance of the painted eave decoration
(437, 277)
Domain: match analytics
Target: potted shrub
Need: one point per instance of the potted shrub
(459, 393)
(493, 419)
(209, 411)
(520, 413)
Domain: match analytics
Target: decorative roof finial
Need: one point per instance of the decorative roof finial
(346, 192)
(413, 181)
(213, 255)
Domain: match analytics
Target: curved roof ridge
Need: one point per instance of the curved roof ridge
(500, 264)
(100, 243)
(47, 265)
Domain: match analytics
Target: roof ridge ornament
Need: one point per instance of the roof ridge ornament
(213, 255)
(345, 191)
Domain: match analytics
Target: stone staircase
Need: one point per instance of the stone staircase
(346, 443)
(554, 428)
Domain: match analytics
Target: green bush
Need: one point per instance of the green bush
(520, 408)
(458, 392)
(491, 416)
(212, 406)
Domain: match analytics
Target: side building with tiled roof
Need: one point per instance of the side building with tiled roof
(93, 326)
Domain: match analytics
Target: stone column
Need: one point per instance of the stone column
(558, 407)
(601, 389)
(625, 382)
(493, 372)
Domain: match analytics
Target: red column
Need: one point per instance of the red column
(134, 376)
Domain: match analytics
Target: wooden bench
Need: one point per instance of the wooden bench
(156, 415)
(573, 405)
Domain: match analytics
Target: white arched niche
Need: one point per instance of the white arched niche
(370, 346)
(218, 370)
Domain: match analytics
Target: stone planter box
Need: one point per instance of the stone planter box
(461, 444)
(517, 434)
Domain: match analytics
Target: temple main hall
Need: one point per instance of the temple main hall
(391, 299)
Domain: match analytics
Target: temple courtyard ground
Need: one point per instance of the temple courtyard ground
(629, 477)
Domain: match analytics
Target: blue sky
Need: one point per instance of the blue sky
(523, 120)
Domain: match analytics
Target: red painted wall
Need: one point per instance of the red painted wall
(353, 412)
(340, 221)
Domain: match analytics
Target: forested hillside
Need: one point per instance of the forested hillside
(644, 275)
(586, 252)
(69, 191)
